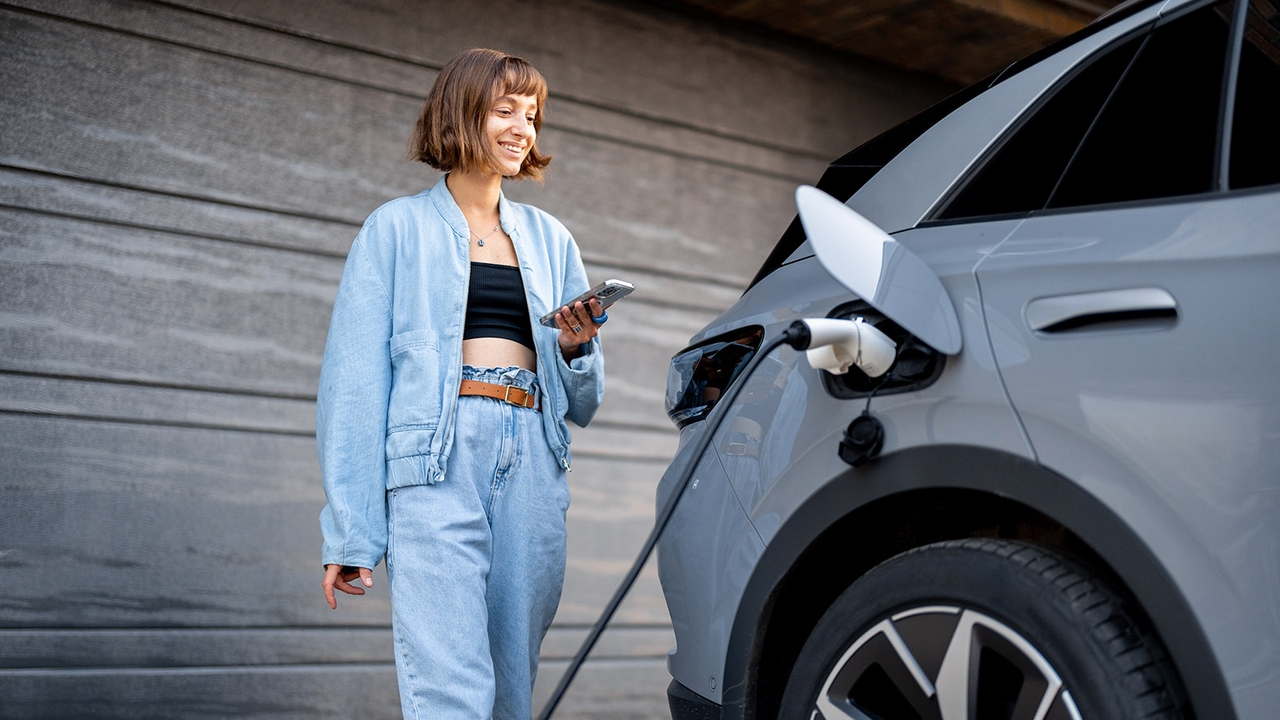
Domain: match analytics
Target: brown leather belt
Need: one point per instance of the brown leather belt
(505, 393)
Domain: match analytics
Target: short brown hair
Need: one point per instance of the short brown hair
(450, 132)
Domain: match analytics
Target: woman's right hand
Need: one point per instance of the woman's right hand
(577, 326)
(340, 576)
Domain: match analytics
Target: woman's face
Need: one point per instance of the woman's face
(510, 130)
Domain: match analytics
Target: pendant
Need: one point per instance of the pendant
(480, 240)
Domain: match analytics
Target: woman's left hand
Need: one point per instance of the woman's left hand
(577, 326)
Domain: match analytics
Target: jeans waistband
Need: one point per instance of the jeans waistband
(514, 376)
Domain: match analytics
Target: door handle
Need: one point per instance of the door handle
(1137, 307)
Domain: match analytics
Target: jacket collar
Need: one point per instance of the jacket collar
(452, 214)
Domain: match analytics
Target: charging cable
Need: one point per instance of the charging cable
(801, 335)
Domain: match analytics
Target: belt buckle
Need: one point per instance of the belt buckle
(506, 396)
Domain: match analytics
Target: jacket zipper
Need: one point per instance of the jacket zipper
(457, 363)
(563, 450)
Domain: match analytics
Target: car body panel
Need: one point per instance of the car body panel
(966, 405)
(716, 554)
(1172, 424)
(771, 467)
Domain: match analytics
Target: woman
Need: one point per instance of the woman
(442, 402)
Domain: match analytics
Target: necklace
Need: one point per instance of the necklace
(480, 240)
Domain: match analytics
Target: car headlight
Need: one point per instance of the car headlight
(699, 375)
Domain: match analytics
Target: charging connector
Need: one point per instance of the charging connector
(836, 344)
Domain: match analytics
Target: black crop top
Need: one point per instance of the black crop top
(496, 305)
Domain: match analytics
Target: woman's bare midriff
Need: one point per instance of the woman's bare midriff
(497, 352)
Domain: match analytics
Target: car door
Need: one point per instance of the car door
(1133, 318)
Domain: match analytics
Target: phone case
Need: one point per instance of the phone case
(608, 292)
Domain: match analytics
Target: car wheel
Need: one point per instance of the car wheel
(981, 630)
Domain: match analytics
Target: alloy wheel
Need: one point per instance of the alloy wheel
(941, 662)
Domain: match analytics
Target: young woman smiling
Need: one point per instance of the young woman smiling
(442, 402)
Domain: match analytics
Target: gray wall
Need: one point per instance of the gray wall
(179, 184)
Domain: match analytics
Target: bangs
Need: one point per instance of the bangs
(521, 78)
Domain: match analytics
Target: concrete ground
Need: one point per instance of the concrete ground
(616, 689)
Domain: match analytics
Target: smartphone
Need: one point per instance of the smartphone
(608, 292)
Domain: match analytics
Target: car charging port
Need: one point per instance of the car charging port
(917, 365)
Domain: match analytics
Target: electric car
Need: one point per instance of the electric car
(1071, 508)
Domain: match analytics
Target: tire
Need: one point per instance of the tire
(981, 630)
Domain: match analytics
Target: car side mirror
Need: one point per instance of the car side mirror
(879, 269)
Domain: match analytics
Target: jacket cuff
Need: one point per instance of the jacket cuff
(339, 551)
(576, 370)
(348, 557)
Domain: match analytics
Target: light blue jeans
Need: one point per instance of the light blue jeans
(476, 563)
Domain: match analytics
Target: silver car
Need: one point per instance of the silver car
(1072, 508)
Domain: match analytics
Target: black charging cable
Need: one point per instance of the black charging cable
(797, 336)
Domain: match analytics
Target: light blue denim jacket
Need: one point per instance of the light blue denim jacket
(393, 361)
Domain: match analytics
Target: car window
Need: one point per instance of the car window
(1255, 142)
(1020, 176)
(1157, 135)
(1120, 12)
(850, 172)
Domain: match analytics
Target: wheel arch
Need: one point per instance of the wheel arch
(922, 495)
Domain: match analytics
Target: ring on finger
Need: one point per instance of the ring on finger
(577, 328)
(604, 317)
